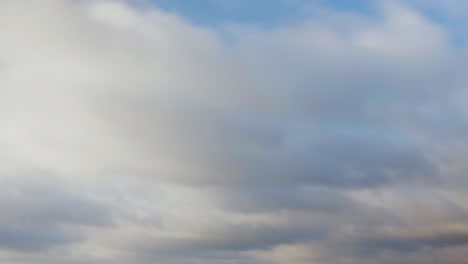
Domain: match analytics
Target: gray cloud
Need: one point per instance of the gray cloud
(35, 214)
(30, 238)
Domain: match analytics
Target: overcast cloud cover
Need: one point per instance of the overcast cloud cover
(133, 134)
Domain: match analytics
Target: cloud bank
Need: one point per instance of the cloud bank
(129, 134)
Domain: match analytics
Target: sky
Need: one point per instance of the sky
(233, 132)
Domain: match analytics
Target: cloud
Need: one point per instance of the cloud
(39, 215)
(130, 135)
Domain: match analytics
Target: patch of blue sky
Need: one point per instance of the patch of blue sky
(456, 26)
(219, 12)
(273, 13)
(215, 13)
(364, 7)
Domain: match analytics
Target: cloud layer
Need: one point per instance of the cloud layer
(130, 135)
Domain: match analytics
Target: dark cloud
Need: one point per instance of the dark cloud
(264, 198)
(36, 213)
(411, 244)
(223, 241)
(31, 238)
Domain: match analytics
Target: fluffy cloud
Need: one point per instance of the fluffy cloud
(130, 135)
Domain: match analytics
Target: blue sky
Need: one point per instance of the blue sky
(263, 12)
(274, 13)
